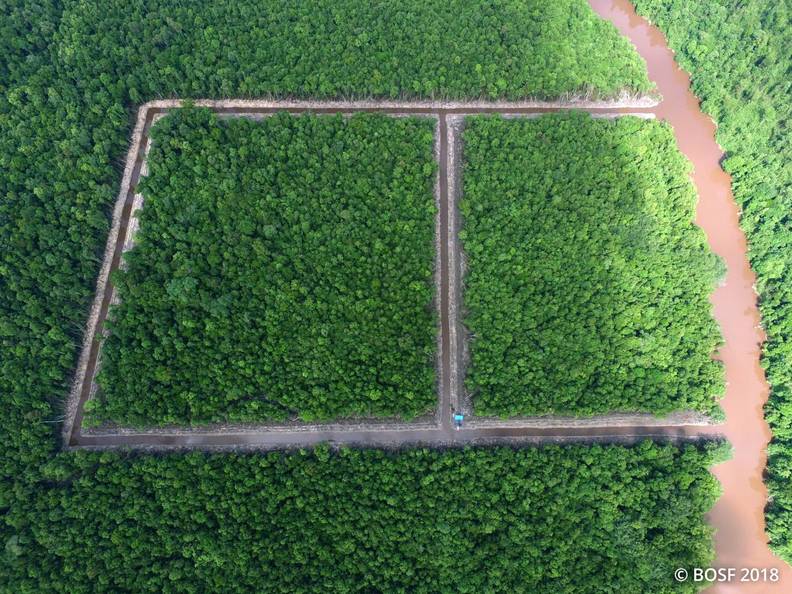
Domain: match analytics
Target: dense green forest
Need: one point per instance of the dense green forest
(71, 75)
(283, 268)
(331, 48)
(739, 56)
(588, 284)
(536, 520)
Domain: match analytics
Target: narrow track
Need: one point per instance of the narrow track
(371, 432)
(394, 439)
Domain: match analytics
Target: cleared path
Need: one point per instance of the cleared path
(439, 430)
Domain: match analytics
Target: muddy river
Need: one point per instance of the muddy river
(738, 516)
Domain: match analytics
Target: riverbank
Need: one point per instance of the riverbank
(738, 516)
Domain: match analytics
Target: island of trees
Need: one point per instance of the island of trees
(283, 269)
(588, 283)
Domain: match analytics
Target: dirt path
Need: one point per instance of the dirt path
(446, 353)
(263, 440)
(447, 279)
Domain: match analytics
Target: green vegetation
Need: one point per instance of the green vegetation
(73, 72)
(738, 55)
(71, 75)
(282, 267)
(541, 520)
(332, 48)
(588, 284)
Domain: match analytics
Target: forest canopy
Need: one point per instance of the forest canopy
(333, 48)
(588, 283)
(420, 520)
(283, 268)
(71, 79)
(75, 72)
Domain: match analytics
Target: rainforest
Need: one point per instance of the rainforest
(283, 268)
(586, 517)
(371, 520)
(588, 283)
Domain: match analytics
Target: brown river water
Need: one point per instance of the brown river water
(738, 516)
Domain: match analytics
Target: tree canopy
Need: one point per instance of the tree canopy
(73, 73)
(283, 268)
(588, 283)
(332, 48)
(554, 520)
(71, 78)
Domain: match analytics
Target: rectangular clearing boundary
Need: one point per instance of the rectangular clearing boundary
(449, 267)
